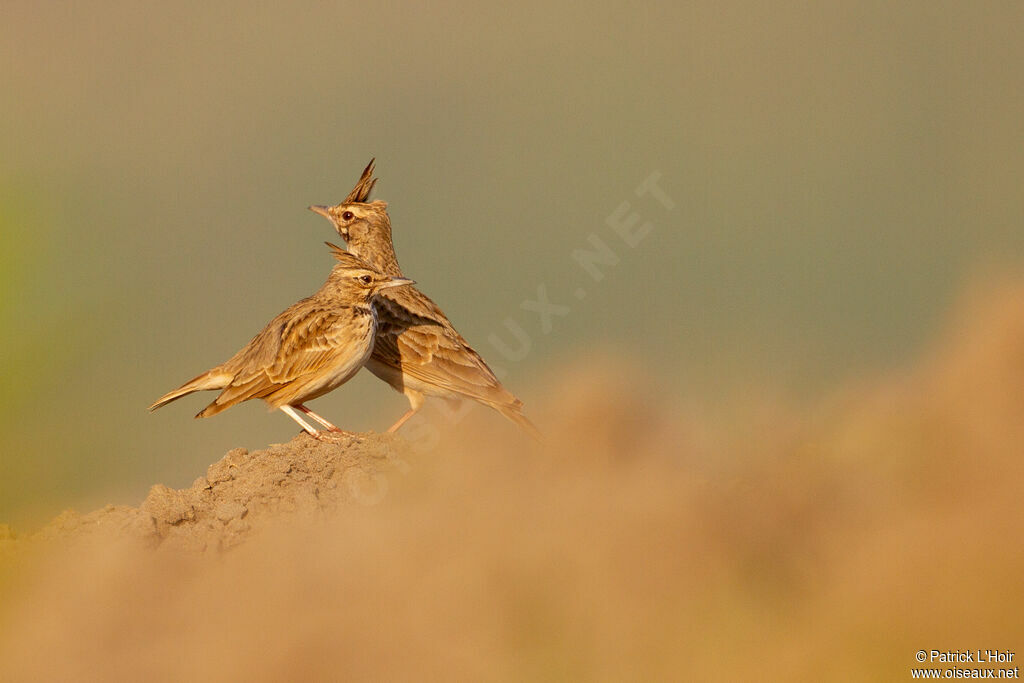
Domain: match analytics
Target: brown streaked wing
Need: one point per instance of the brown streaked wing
(307, 344)
(416, 337)
(313, 341)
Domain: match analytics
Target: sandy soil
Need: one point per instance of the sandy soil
(241, 492)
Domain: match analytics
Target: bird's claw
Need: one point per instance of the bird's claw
(334, 436)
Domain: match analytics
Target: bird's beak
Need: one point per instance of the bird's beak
(322, 210)
(397, 282)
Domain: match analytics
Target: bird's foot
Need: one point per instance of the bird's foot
(334, 436)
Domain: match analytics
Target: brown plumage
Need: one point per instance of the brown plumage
(313, 347)
(417, 350)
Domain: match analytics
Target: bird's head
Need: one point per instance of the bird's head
(355, 274)
(364, 225)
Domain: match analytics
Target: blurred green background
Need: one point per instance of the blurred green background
(838, 169)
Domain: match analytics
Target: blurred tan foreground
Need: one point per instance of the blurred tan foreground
(644, 541)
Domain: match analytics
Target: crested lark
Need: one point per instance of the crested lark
(417, 350)
(316, 345)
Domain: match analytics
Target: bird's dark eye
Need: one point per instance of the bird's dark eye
(347, 216)
(365, 279)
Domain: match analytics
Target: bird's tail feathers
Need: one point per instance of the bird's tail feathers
(214, 408)
(212, 379)
(514, 413)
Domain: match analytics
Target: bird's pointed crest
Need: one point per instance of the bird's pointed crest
(347, 257)
(361, 192)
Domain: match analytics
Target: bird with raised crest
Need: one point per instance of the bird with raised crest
(417, 349)
(313, 347)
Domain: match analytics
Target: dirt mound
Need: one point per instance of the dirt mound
(241, 492)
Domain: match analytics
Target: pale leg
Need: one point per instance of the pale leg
(290, 412)
(319, 419)
(332, 435)
(416, 400)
